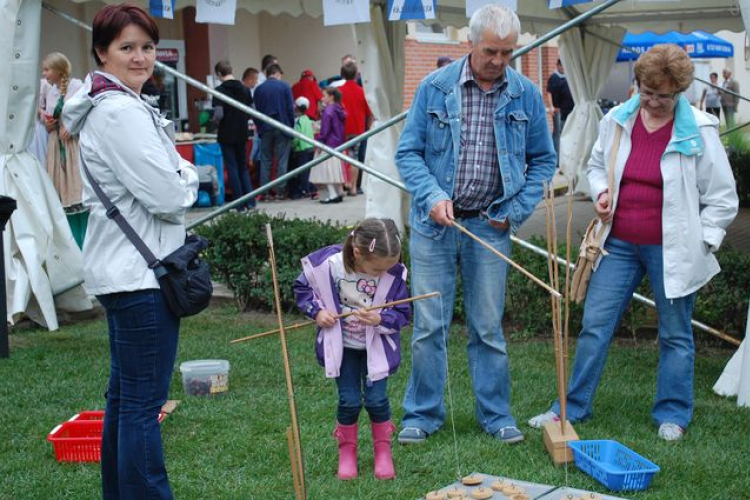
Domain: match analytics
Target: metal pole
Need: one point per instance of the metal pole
(540, 41)
(735, 129)
(640, 298)
(299, 170)
(565, 27)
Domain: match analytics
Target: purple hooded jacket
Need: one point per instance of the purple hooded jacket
(315, 289)
(332, 126)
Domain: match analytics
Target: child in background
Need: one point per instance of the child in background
(330, 173)
(302, 152)
(362, 350)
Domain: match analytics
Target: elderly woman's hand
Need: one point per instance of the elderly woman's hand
(603, 207)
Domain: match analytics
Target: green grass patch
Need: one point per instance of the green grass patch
(234, 446)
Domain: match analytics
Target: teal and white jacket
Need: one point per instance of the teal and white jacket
(700, 196)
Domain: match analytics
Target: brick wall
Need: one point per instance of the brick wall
(421, 60)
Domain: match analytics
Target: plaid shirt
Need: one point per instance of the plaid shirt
(478, 180)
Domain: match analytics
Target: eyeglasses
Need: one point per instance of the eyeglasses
(650, 95)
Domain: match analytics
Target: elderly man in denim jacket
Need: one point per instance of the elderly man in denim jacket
(476, 149)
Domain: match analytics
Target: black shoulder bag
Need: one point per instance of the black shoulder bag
(184, 278)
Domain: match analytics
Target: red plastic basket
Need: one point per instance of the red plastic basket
(80, 438)
(77, 440)
(99, 415)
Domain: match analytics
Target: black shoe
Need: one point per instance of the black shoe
(337, 199)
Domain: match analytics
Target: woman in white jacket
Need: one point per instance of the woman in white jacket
(674, 197)
(127, 148)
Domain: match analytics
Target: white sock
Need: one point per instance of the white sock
(332, 193)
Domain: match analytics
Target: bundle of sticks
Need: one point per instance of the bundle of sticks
(559, 325)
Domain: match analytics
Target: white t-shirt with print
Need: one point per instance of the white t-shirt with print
(356, 290)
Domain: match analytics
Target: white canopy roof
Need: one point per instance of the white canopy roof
(635, 16)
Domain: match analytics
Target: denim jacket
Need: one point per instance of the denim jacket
(314, 290)
(428, 151)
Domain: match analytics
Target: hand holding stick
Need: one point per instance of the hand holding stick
(338, 316)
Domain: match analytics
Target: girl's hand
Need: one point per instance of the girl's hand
(602, 207)
(64, 134)
(325, 319)
(369, 318)
(50, 124)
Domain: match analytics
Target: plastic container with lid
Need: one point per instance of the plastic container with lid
(205, 377)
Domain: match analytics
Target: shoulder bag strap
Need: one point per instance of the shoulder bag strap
(611, 178)
(113, 213)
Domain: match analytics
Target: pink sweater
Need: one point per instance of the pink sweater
(638, 215)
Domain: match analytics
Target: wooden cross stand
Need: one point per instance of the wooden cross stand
(292, 432)
(557, 435)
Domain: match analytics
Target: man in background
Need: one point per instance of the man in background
(562, 103)
(274, 99)
(729, 102)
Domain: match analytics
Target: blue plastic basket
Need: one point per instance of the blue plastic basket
(614, 465)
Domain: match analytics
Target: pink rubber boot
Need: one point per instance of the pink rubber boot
(381, 440)
(347, 438)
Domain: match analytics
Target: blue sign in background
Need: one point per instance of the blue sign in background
(410, 9)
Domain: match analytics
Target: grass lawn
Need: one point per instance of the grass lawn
(234, 446)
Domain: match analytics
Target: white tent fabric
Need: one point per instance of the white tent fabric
(385, 97)
(41, 256)
(587, 62)
(735, 380)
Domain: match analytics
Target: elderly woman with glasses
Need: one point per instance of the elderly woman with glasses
(674, 196)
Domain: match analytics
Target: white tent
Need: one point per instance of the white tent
(42, 259)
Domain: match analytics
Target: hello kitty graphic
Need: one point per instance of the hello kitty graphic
(356, 294)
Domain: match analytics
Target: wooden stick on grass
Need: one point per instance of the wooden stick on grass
(295, 458)
(339, 316)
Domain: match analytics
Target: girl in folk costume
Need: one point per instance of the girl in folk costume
(362, 350)
(62, 147)
(330, 173)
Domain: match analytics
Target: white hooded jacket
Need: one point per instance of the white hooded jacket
(700, 196)
(128, 148)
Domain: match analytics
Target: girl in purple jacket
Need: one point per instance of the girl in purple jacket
(361, 350)
(330, 173)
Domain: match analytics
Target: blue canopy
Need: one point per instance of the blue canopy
(697, 44)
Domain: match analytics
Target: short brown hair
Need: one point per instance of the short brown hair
(249, 72)
(349, 71)
(110, 20)
(665, 63)
(333, 92)
(223, 68)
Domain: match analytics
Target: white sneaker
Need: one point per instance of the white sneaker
(671, 432)
(539, 421)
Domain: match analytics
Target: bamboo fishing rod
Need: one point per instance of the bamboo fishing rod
(293, 436)
(339, 316)
(507, 259)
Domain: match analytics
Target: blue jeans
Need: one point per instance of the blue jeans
(300, 186)
(143, 336)
(276, 144)
(434, 266)
(610, 290)
(235, 161)
(353, 384)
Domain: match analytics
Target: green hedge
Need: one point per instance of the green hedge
(239, 258)
(738, 151)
